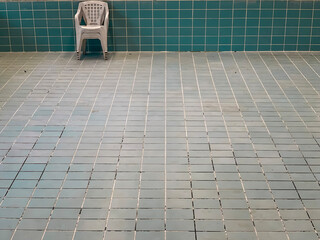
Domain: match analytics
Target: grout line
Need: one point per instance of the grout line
(253, 145)
(259, 27)
(299, 22)
(187, 141)
(165, 145)
(285, 27)
(100, 143)
(311, 25)
(143, 146)
(209, 142)
(121, 145)
(230, 141)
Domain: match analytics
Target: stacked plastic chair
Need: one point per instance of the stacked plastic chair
(96, 18)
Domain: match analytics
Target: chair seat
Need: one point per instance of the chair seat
(91, 27)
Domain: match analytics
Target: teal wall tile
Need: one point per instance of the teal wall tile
(240, 13)
(159, 47)
(39, 6)
(65, 23)
(55, 48)
(42, 40)
(159, 23)
(146, 40)
(225, 40)
(172, 31)
(27, 14)
(199, 32)
(198, 48)
(172, 40)
(185, 31)
(173, 22)
(185, 48)
(145, 14)
(65, 5)
(301, 47)
(66, 14)
(68, 48)
(236, 47)
(53, 14)
(145, 23)
(41, 31)
(4, 33)
(223, 47)
(15, 32)
(12, 6)
(198, 40)
(168, 25)
(14, 23)
(159, 13)
(172, 5)
(68, 41)
(212, 40)
(146, 5)
(263, 47)
(199, 13)
(39, 14)
(4, 41)
(264, 40)
(27, 32)
(185, 22)
(210, 47)
(16, 41)
(27, 23)
(13, 15)
(55, 41)
(4, 48)
(52, 5)
(238, 31)
(185, 40)
(226, 4)
(54, 31)
(3, 6)
(159, 40)
(251, 47)
(237, 40)
(16, 48)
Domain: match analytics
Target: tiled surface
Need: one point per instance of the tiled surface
(160, 146)
(211, 25)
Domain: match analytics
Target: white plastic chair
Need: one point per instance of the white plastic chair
(96, 17)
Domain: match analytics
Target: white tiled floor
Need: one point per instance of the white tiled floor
(201, 146)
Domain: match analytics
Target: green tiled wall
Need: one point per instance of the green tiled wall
(168, 26)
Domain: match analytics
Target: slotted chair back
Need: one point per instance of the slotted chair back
(93, 12)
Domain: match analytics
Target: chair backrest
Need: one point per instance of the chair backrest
(94, 12)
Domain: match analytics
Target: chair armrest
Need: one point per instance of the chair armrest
(78, 17)
(106, 19)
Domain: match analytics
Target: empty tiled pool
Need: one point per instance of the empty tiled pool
(160, 145)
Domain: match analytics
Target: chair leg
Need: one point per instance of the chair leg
(104, 45)
(84, 45)
(79, 46)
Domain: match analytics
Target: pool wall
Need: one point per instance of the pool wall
(167, 26)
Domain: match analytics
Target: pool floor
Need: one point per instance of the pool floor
(156, 145)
